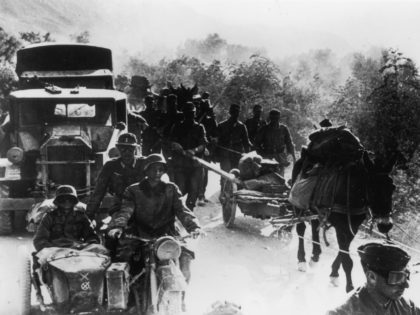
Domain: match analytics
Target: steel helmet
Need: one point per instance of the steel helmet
(154, 158)
(67, 191)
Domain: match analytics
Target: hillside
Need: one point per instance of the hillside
(59, 17)
(156, 28)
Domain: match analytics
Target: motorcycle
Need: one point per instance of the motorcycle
(88, 283)
(158, 284)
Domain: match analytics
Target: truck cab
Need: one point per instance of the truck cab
(62, 124)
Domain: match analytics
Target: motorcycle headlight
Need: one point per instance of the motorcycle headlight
(167, 248)
(15, 155)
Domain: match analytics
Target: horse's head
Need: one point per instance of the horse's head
(184, 94)
(380, 186)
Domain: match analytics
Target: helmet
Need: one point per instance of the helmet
(65, 191)
(154, 158)
(127, 139)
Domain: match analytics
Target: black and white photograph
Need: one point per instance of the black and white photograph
(209, 157)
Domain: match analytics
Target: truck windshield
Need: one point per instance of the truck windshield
(91, 112)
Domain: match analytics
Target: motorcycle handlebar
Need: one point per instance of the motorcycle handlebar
(146, 240)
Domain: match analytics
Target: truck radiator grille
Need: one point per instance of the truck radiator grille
(67, 174)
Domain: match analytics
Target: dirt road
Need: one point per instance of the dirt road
(239, 265)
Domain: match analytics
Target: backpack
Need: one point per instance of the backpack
(337, 145)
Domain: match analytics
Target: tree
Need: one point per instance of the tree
(381, 102)
(8, 47)
(214, 47)
(83, 37)
(8, 81)
(35, 38)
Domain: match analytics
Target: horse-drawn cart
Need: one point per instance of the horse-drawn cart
(269, 203)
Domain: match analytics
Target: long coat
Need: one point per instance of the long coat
(151, 211)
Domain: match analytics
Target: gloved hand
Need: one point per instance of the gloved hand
(384, 224)
(115, 233)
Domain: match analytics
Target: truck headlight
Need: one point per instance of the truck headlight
(15, 155)
(167, 248)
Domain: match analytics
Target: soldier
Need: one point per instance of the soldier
(116, 175)
(151, 140)
(387, 276)
(232, 141)
(172, 117)
(273, 141)
(207, 118)
(139, 88)
(149, 209)
(188, 140)
(136, 123)
(255, 123)
(66, 226)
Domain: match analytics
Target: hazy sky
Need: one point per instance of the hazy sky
(283, 27)
(157, 27)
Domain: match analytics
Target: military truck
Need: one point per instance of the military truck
(62, 125)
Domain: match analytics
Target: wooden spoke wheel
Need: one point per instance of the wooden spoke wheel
(229, 203)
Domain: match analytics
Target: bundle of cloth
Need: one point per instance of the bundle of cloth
(261, 174)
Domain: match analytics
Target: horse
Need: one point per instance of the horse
(184, 94)
(359, 187)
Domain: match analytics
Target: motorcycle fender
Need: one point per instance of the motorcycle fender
(171, 278)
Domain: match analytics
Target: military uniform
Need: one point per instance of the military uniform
(135, 123)
(361, 303)
(274, 142)
(170, 119)
(387, 280)
(210, 126)
(114, 177)
(154, 210)
(187, 174)
(233, 135)
(150, 212)
(151, 140)
(61, 229)
(253, 125)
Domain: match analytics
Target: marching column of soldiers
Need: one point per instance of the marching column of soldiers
(182, 131)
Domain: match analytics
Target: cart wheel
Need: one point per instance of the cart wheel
(229, 203)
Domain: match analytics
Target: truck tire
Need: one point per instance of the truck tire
(25, 284)
(6, 222)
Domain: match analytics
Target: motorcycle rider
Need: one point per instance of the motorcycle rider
(149, 209)
(66, 226)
